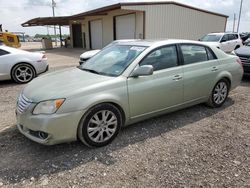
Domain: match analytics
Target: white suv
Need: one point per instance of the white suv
(224, 41)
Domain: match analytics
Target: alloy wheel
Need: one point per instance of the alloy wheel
(102, 126)
(24, 74)
(220, 93)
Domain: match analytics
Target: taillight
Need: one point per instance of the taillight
(239, 61)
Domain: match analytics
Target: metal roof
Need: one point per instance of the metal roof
(61, 20)
(64, 20)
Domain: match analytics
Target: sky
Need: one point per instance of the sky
(14, 13)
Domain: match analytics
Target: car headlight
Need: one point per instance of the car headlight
(48, 107)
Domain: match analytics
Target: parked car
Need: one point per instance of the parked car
(244, 37)
(88, 54)
(21, 66)
(244, 55)
(247, 41)
(123, 84)
(224, 41)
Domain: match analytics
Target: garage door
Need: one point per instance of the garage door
(125, 27)
(96, 34)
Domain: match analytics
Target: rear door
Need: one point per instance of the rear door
(163, 89)
(199, 71)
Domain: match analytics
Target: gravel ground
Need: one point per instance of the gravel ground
(194, 147)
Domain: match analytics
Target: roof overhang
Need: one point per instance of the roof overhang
(44, 21)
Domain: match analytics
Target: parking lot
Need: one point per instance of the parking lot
(194, 147)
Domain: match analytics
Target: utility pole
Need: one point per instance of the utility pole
(239, 16)
(234, 22)
(53, 10)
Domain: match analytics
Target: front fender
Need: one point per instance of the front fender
(84, 103)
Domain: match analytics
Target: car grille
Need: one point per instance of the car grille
(245, 60)
(22, 103)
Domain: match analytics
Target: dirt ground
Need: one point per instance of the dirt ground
(194, 147)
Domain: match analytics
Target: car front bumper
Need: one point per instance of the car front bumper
(49, 129)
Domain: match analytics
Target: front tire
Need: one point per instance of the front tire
(219, 94)
(22, 73)
(100, 125)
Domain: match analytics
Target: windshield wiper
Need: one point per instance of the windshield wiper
(90, 70)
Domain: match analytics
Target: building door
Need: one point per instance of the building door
(77, 35)
(125, 27)
(96, 34)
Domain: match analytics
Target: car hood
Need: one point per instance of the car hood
(62, 84)
(89, 54)
(244, 51)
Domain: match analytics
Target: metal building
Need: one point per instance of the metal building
(141, 20)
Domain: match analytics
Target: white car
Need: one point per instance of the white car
(21, 66)
(87, 55)
(224, 41)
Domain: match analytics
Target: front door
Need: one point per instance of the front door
(225, 43)
(163, 89)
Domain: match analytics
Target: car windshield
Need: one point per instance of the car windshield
(112, 60)
(211, 38)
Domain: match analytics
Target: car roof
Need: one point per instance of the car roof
(222, 33)
(157, 42)
(11, 50)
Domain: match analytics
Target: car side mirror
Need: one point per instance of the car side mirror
(223, 40)
(144, 70)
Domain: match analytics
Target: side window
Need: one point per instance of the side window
(231, 37)
(2, 52)
(193, 53)
(162, 58)
(210, 54)
(10, 39)
(236, 36)
(224, 38)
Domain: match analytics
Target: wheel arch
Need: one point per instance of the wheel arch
(115, 103)
(225, 75)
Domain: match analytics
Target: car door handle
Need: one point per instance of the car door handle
(214, 69)
(177, 77)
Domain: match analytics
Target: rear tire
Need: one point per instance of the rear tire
(219, 94)
(100, 125)
(22, 73)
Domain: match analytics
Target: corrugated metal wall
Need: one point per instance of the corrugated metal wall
(173, 21)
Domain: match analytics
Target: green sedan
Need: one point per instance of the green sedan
(121, 85)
